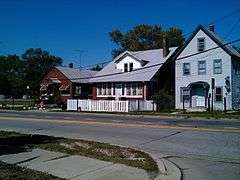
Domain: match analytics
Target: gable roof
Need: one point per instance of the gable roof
(77, 75)
(155, 60)
(130, 54)
(219, 41)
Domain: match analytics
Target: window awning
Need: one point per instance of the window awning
(43, 87)
(64, 87)
(55, 80)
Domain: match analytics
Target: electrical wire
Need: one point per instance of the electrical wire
(158, 64)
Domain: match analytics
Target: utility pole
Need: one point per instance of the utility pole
(80, 56)
(213, 87)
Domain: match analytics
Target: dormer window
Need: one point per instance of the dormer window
(130, 66)
(125, 67)
(201, 44)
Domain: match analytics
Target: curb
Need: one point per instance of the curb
(168, 170)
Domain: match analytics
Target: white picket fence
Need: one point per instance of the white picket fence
(108, 106)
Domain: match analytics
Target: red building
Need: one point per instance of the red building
(62, 83)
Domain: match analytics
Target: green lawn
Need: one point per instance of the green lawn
(92, 149)
(17, 104)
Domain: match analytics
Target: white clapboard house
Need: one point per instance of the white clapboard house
(204, 57)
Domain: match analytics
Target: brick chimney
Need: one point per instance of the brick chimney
(70, 65)
(211, 28)
(165, 46)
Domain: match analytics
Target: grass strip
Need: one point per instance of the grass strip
(91, 149)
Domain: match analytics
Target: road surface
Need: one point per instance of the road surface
(206, 149)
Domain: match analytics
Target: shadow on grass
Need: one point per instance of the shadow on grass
(11, 143)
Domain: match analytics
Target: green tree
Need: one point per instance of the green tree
(163, 100)
(96, 68)
(37, 63)
(11, 76)
(144, 37)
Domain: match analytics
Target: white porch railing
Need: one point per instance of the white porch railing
(109, 106)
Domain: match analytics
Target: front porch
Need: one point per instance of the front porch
(195, 96)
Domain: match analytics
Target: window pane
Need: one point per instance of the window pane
(185, 94)
(201, 44)
(130, 66)
(128, 89)
(125, 67)
(99, 89)
(218, 94)
(134, 89)
(140, 91)
(186, 68)
(201, 67)
(217, 66)
(104, 89)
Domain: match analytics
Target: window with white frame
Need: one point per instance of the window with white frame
(99, 89)
(104, 89)
(201, 67)
(140, 89)
(128, 89)
(184, 94)
(186, 69)
(130, 67)
(218, 94)
(78, 90)
(201, 44)
(217, 66)
(134, 89)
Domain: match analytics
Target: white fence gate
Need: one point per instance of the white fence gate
(109, 106)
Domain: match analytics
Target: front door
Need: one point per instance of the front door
(118, 90)
(198, 96)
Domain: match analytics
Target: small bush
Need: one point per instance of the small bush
(164, 101)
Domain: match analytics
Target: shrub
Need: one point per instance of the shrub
(164, 101)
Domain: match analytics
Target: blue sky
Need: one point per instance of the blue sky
(64, 26)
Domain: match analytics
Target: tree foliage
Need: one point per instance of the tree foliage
(11, 75)
(163, 100)
(144, 37)
(16, 73)
(96, 68)
(37, 63)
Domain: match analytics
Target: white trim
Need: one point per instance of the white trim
(130, 96)
(64, 94)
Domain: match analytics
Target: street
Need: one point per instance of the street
(204, 149)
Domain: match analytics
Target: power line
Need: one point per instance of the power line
(80, 51)
(186, 34)
(147, 67)
(93, 65)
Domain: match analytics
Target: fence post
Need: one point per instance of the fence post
(225, 104)
(138, 108)
(183, 103)
(127, 106)
(77, 104)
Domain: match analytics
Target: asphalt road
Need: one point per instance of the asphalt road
(128, 119)
(205, 154)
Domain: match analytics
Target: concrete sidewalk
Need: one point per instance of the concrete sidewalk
(74, 167)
